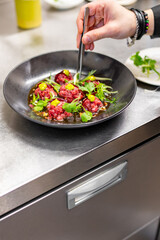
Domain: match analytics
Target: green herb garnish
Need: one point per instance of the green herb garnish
(55, 85)
(35, 99)
(72, 107)
(40, 104)
(88, 87)
(113, 100)
(75, 107)
(86, 116)
(91, 77)
(89, 74)
(102, 91)
(147, 64)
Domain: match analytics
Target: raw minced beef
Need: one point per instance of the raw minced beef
(61, 78)
(92, 106)
(57, 112)
(45, 93)
(70, 95)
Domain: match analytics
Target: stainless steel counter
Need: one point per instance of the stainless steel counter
(34, 158)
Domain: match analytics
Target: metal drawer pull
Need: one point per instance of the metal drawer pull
(95, 185)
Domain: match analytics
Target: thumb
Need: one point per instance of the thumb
(94, 35)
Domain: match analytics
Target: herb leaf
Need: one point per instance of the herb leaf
(102, 91)
(88, 87)
(72, 107)
(40, 105)
(76, 78)
(147, 64)
(89, 74)
(55, 85)
(86, 116)
(113, 100)
(35, 99)
(137, 59)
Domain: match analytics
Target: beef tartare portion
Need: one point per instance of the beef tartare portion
(56, 111)
(64, 98)
(45, 91)
(92, 104)
(63, 77)
(70, 92)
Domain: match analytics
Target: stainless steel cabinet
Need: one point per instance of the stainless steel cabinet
(107, 203)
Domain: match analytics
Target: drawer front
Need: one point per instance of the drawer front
(112, 212)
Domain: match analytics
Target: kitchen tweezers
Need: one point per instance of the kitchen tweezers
(81, 46)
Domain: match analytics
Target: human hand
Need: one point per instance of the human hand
(107, 19)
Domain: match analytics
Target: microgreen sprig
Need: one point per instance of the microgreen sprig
(35, 99)
(86, 116)
(113, 100)
(40, 104)
(102, 91)
(75, 107)
(51, 82)
(88, 87)
(91, 77)
(87, 77)
(103, 78)
(147, 64)
(72, 107)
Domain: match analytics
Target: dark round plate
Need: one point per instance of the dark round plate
(22, 78)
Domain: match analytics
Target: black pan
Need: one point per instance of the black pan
(22, 78)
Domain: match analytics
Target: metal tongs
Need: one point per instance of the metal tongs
(81, 46)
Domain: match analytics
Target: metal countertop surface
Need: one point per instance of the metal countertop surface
(35, 158)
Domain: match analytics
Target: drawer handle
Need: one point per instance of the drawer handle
(96, 184)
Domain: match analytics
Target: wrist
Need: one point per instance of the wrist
(134, 29)
(133, 26)
(142, 26)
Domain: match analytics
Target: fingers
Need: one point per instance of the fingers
(89, 46)
(81, 16)
(80, 21)
(91, 22)
(99, 14)
(96, 20)
(106, 19)
(92, 11)
(91, 25)
(94, 35)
